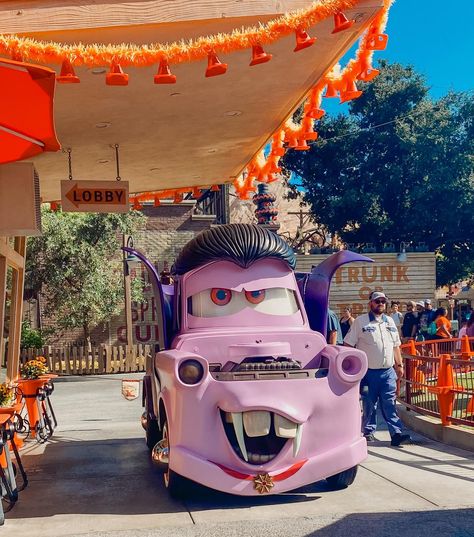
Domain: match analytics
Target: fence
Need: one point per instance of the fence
(439, 379)
(76, 360)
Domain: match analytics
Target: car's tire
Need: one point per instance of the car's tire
(343, 479)
(177, 485)
(152, 433)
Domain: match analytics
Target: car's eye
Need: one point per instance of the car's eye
(255, 297)
(221, 297)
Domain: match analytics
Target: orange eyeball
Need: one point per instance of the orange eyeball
(221, 297)
(255, 297)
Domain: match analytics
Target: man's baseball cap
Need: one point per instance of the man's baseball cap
(420, 303)
(377, 294)
(427, 301)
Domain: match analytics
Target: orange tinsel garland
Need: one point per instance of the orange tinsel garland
(178, 52)
(296, 136)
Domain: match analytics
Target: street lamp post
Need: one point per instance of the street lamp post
(127, 241)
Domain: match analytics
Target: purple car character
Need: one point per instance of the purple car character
(245, 396)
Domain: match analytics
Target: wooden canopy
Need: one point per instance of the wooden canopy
(197, 132)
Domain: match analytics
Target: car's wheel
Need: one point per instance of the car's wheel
(152, 433)
(343, 479)
(177, 485)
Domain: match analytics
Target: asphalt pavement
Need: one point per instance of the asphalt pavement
(94, 477)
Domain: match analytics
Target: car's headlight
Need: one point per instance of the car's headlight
(190, 371)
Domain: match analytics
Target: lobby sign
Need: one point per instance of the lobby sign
(94, 196)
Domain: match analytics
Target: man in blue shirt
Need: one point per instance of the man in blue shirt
(333, 331)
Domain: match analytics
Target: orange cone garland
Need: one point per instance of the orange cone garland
(351, 92)
(116, 76)
(214, 66)
(67, 75)
(259, 55)
(164, 75)
(303, 40)
(341, 23)
(331, 91)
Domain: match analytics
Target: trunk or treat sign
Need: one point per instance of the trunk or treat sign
(130, 388)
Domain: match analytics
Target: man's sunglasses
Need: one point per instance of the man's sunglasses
(380, 301)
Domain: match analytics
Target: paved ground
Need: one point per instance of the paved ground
(94, 477)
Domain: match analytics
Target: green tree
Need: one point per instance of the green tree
(77, 266)
(397, 168)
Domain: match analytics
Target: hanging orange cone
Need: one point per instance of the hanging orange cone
(313, 112)
(341, 22)
(215, 188)
(196, 193)
(54, 205)
(259, 55)
(302, 145)
(156, 201)
(351, 92)
(164, 75)
(291, 139)
(368, 74)
(178, 197)
(331, 91)
(116, 76)
(67, 75)
(377, 42)
(137, 206)
(303, 40)
(214, 65)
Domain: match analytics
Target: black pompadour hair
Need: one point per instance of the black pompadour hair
(242, 244)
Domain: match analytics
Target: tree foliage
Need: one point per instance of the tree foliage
(397, 168)
(77, 266)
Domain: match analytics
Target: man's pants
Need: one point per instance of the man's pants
(379, 384)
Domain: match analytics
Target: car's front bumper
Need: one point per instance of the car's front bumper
(241, 482)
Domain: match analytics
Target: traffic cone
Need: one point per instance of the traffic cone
(156, 201)
(67, 75)
(377, 42)
(164, 75)
(368, 74)
(331, 91)
(214, 65)
(259, 55)
(303, 40)
(116, 76)
(341, 22)
(351, 92)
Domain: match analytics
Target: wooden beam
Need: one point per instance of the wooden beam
(56, 15)
(16, 312)
(12, 255)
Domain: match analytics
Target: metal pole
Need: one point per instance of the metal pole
(128, 298)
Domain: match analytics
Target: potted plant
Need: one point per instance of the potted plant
(7, 396)
(33, 369)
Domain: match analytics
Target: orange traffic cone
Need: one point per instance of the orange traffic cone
(156, 201)
(368, 74)
(341, 22)
(314, 112)
(178, 197)
(116, 76)
(67, 75)
(259, 55)
(331, 91)
(137, 206)
(214, 66)
(196, 193)
(377, 42)
(215, 188)
(303, 40)
(164, 75)
(351, 92)
(302, 145)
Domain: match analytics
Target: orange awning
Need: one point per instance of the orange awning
(26, 111)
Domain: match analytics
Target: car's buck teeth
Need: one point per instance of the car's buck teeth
(257, 422)
(297, 439)
(239, 433)
(284, 428)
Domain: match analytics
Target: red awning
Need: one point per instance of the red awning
(26, 110)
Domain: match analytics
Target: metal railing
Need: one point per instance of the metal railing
(439, 379)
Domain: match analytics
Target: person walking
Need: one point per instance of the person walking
(443, 325)
(396, 314)
(426, 317)
(409, 324)
(346, 321)
(375, 333)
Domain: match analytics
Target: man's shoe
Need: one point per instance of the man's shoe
(370, 437)
(399, 439)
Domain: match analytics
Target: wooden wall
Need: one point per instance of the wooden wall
(414, 279)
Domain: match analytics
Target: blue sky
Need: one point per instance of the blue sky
(436, 39)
